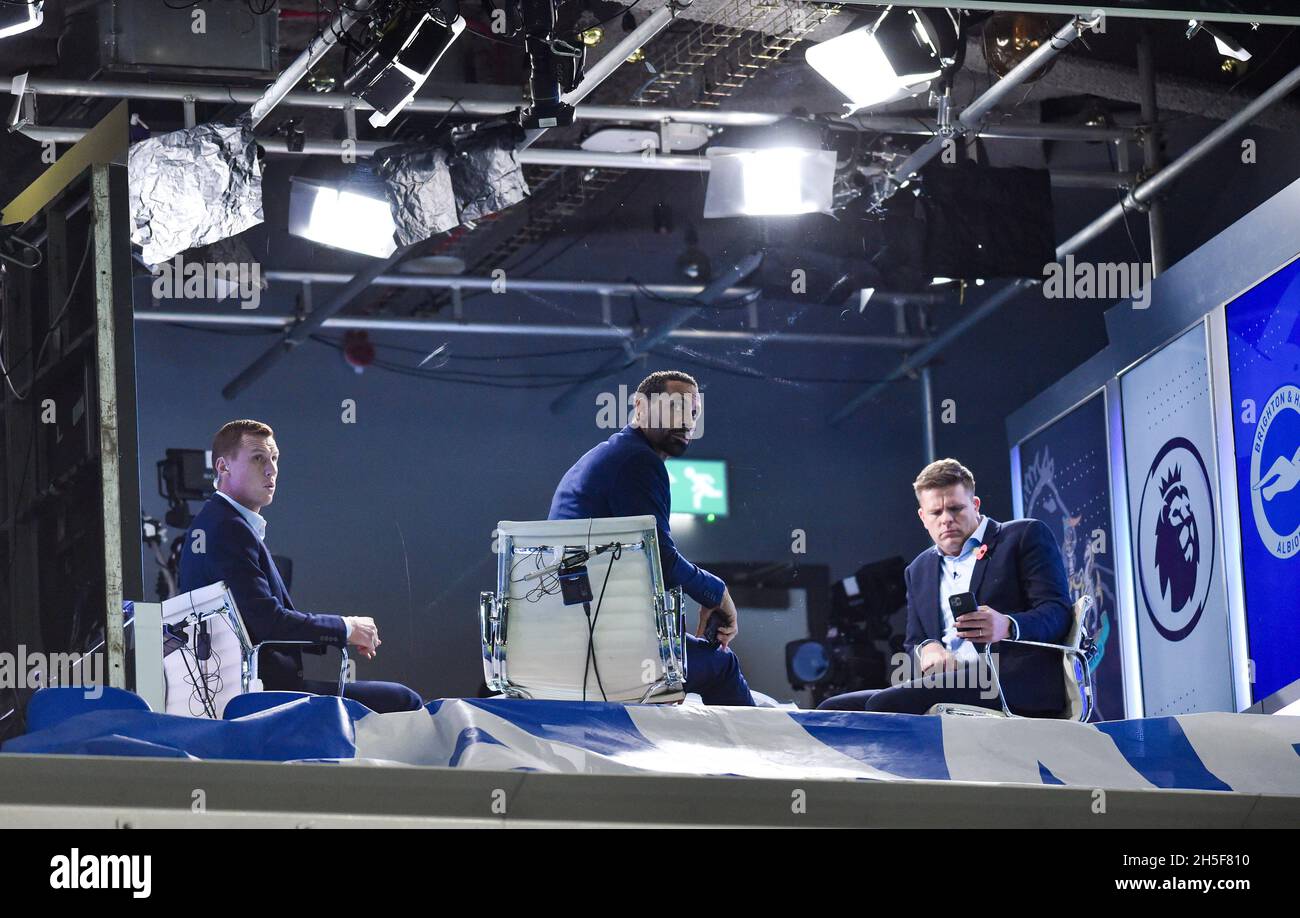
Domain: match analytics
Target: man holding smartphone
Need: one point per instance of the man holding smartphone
(982, 582)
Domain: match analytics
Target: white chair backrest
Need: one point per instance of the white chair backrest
(199, 681)
(547, 641)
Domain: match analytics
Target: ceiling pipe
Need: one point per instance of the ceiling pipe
(303, 328)
(523, 329)
(486, 108)
(532, 285)
(969, 120)
(320, 45)
(604, 288)
(1001, 130)
(639, 347)
(553, 156)
(1135, 199)
(1146, 192)
(649, 27)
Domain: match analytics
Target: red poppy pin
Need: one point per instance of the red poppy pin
(981, 552)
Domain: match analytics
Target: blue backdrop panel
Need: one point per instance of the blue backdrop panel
(1066, 483)
(1264, 361)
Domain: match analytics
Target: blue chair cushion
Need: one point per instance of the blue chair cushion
(255, 702)
(53, 705)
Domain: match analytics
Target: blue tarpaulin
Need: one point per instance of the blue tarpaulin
(1218, 752)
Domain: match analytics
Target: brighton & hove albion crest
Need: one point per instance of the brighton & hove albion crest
(1275, 473)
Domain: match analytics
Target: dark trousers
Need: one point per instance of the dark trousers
(919, 695)
(714, 674)
(909, 698)
(380, 697)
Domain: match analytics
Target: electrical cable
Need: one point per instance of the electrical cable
(54, 323)
(1121, 196)
(592, 662)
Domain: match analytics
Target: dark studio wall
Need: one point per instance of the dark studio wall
(420, 481)
(417, 484)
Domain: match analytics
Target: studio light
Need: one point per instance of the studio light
(352, 213)
(555, 66)
(16, 18)
(1009, 38)
(671, 137)
(806, 662)
(899, 55)
(770, 182)
(408, 45)
(1225, 43)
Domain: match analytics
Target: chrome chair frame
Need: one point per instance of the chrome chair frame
(1078, 677)
(248, 650)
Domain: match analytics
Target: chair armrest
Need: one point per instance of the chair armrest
(343, 664)
(1064, 648)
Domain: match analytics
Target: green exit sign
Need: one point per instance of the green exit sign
(699, 486)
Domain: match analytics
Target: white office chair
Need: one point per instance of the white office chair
(624, 644)
(1074, 667)
(206, 654)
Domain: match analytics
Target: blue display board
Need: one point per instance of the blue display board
(1264, 366)
(1065, 481)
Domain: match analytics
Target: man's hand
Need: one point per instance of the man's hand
(365, 635)
(729, 628)
(937, 658)
(990, 626)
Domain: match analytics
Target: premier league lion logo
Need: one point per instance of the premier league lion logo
(1175, 539)
(1178, 549)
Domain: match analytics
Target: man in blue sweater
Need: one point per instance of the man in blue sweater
(626, 476)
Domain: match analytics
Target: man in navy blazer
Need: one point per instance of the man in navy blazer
(626, 476)
(226, 543)
(1018, 577)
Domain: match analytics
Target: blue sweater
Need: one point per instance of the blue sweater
(624, 476)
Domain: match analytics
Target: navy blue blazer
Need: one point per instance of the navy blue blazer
(1022, 574)
(233, 553)
(624, 476)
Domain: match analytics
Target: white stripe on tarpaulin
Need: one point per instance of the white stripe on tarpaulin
(1246, 753)
(1251, 753)
(1029, 751)
(460, 735)
(753, 742)
(405, 738)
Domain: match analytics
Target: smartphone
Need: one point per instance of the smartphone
(716, 621)
(960, 604)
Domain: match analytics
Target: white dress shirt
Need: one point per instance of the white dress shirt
(954, 578)
(255, 519)
(258, 522)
